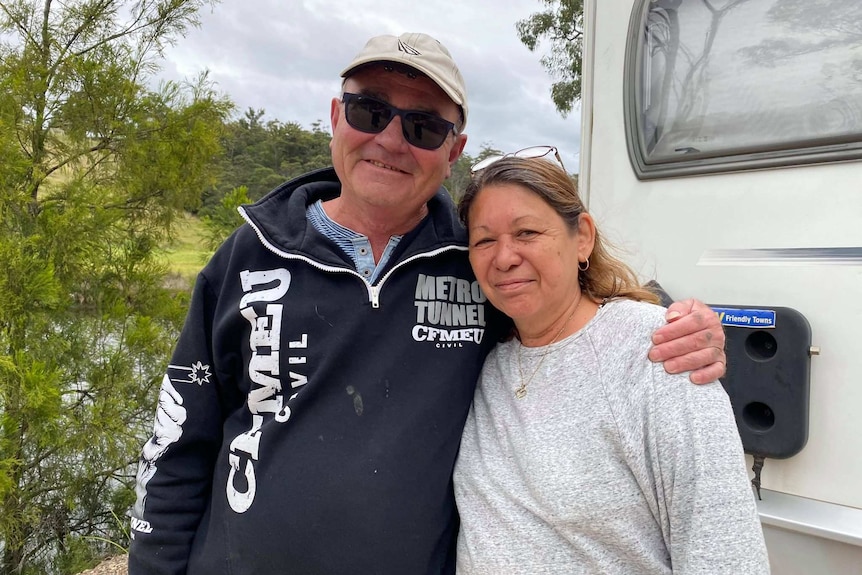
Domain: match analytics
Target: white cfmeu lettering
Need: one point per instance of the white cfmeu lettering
(425, 333)
(250, 280)
(141, 525)
(267, 395)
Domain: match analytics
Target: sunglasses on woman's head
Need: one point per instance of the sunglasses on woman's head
(370, 115)
(531, 152)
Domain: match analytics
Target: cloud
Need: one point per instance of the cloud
(286, 59)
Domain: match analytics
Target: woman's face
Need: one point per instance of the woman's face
(524, 255)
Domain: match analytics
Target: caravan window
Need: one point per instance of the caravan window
(720, 85)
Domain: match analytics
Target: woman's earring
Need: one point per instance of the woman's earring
(585, 267)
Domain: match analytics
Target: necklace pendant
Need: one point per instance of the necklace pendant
(521, 392)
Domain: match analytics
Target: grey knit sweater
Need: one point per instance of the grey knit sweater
(608, 465)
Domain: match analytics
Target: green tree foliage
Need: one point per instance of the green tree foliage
(94, 167)
(223, 219)
(259, 155)
(457, 181)
(561, 23)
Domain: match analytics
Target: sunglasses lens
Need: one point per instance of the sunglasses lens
(482, 164)
(534, 152)
(367, 114)
(425, 131)
(371, 116)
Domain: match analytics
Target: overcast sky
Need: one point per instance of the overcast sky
(285, 57)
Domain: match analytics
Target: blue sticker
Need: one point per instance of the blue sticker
(756, 318)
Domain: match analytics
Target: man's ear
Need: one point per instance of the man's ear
(456, 151)
(334, 113)
(457, 148)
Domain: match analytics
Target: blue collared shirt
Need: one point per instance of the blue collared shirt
(354, 244)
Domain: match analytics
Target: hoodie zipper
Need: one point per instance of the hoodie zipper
(373, 290)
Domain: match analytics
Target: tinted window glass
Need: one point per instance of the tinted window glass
(712, 82)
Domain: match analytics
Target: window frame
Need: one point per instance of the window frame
(798, 153)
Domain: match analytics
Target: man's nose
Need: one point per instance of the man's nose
(392, 136)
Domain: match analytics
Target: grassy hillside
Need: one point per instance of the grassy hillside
(186, 254)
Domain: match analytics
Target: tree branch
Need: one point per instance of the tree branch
(18, 24)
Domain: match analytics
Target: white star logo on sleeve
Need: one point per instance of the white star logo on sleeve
(200, 374)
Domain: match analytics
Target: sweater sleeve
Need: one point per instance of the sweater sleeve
(707, 511)
(176, 465)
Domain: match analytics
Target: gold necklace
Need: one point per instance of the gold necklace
(521, 392)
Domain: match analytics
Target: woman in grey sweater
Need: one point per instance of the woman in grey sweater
(579, 454)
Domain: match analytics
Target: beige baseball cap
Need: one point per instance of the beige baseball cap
(418, 51)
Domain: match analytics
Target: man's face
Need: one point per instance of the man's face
(382, 172)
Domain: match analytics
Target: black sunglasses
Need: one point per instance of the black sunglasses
(370, 115)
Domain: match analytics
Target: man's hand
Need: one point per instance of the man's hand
(692, 340)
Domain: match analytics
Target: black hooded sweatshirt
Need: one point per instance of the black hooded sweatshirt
(308, 422)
